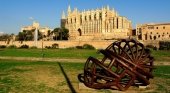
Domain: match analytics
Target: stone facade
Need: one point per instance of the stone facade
(98, 24)
(153, 31)
(43, 30)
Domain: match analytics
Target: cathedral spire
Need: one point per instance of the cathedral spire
(107, 7)
(63, 15)
(116, 13)
(113, 10)
(69, 9)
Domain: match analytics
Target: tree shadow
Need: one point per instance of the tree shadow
(67, 79)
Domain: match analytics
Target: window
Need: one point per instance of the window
(100, 15)
(89, 17)
(95, 16)
(156, 27)
(159, 36)
(71, 20)
(85, 18)
(106, 14)
(140, 30)
(80, 19)
(151, 32)
(150, 37)
(150, 27)
(163, 27)
(75, 20)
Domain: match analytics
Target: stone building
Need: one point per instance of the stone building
(31, 27)
(98, 24)
(153, 31)
(43, 30)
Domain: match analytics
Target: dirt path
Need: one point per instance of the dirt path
(44, 59)
(65, 60)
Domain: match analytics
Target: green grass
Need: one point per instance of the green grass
(162, 72)
(21, 76)
(47, 77)
(161, 55)
(49, 53)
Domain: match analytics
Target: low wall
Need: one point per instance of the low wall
(150, 42)
(67, 44)
(62, 44)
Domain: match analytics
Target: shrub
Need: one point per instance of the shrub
(150, 46)
(12, 46)
(55, 45)
(155, 48)
(79, 47)
(33, 47)
(24, 46)
(48, 47)
(2, 46)
(87, 46)
(164, 45)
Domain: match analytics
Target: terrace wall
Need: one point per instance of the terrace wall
(67, 44)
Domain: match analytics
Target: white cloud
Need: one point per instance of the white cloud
(1, 33)
(31, 18)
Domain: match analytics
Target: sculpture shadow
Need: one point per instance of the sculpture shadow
(67, 79)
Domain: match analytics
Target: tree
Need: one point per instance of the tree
(29, 35)
(40, 35)
(21, 36)
(65, 34)
(26, 35)
(56, 32)
(4, 37)
(61, 34)
(49, 32)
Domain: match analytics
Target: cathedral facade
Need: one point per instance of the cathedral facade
(98, 24)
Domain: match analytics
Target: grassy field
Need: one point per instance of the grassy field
(56, 77)
(49, 53)
(70, 53)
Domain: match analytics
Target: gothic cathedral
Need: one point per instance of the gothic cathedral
(98, 24)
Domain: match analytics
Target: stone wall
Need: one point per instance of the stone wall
(62, 44)
(66, 44)
(150, 42)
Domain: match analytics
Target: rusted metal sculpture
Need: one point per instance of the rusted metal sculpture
(125, 63)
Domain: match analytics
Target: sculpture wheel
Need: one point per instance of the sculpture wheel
(125, 63)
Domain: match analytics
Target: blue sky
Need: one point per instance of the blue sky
(16, 13)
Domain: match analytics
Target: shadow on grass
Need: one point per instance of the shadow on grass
(67, 79)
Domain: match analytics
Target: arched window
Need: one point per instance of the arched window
(100, 15)
(75, 20)
(150, 37)
(80, 19)
(85, 18)
(95, 16)
(154, 37)
(80, 33)
(89, 17)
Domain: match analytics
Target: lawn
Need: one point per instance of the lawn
(159, 55)
(61, 77)
(49, 53)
